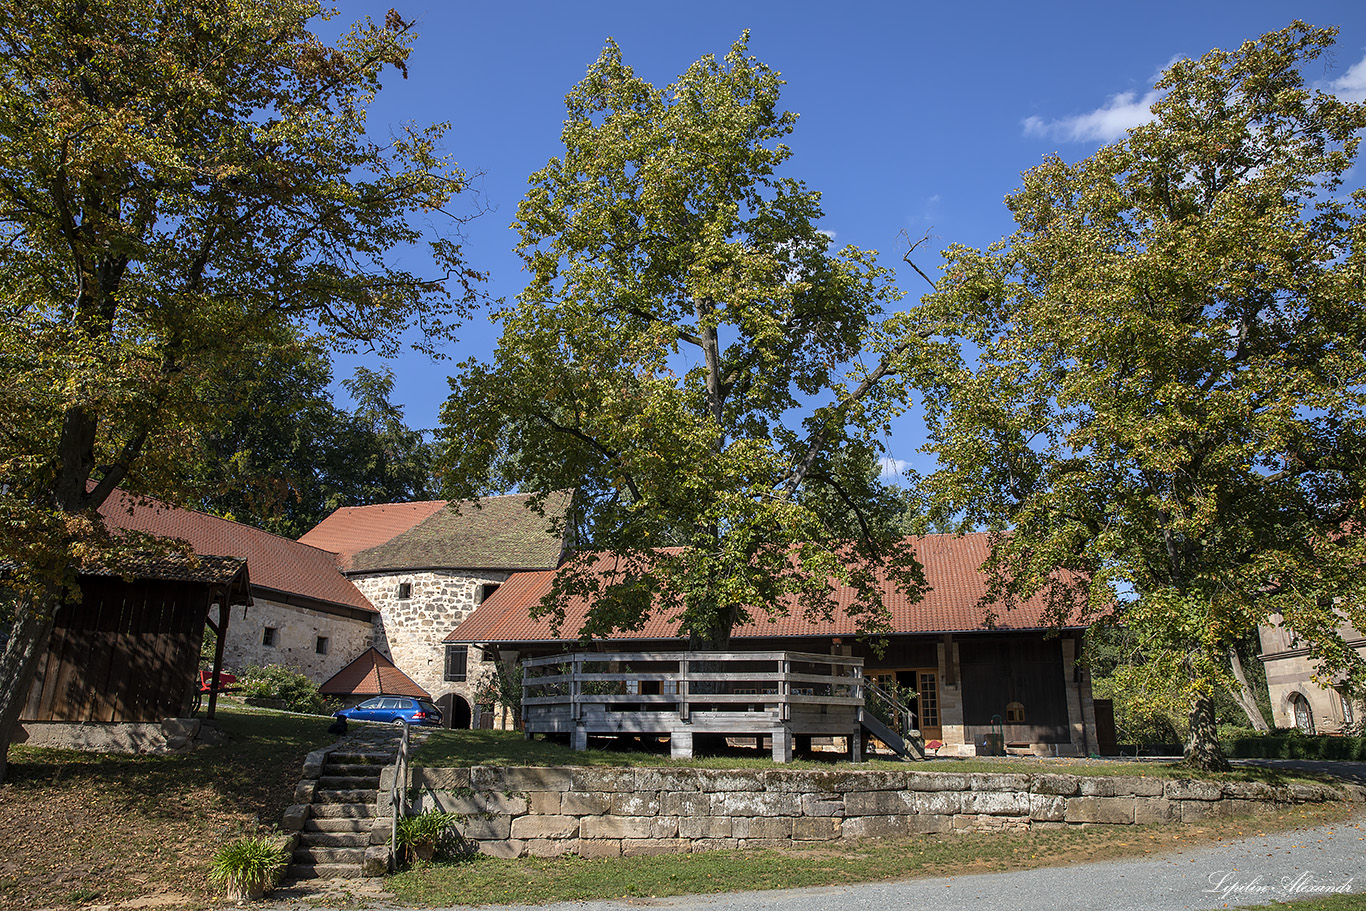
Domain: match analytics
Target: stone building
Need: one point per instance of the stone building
(1298, 700)
(425, 567)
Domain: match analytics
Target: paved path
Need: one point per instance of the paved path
(1249, 871)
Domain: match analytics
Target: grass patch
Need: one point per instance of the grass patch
(487, 880)
(460, 749)
(86, 826)
(1326, 903)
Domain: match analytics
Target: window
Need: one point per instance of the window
(1015, 713)
(405, 591)
(321, 646)
(1304, 718)
(456, 658)
(270, 637)
(1348, 716)
(487, 589)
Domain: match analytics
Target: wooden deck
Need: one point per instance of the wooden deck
(782, 695)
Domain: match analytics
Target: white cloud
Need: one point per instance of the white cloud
(1106, 123)
(892, 468)
(1351, 85)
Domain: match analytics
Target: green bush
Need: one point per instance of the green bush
(431, 835)
(1294, 745)
(248, 867)
(280, 687)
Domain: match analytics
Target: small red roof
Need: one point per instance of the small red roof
(952, 603)
(372, 674)
(274, 563)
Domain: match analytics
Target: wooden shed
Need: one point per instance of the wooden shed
(128, 649)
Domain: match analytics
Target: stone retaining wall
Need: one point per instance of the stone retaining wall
(598, 812)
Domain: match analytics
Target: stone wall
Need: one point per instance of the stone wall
(296, 638)
(609, 812)
(410, 630)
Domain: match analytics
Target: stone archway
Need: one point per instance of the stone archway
(455, 711)
(1301, 713)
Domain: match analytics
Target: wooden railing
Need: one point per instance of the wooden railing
(771, 686)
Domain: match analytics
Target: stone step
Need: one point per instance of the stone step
(343, 810)
(381, 759)
(316, 856)
(323, 871)
(345, 782)
(342, 824)
(355, 768)
(348, 795)
(335, 839)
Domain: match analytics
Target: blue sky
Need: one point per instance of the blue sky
(915, 117)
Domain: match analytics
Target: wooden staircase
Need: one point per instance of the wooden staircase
(900, 736)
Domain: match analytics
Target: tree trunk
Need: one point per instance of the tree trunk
(1203, 750)
(27, 643)
(1243, 695)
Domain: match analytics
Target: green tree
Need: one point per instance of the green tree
(1166, 388)
(687, 356)
(179, 182)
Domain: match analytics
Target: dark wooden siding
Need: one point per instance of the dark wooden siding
(128, 651)
(999, 670)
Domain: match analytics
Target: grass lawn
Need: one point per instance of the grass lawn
(486, 880)
(81, 828)
(458, 749)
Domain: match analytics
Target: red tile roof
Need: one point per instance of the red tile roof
(352, 529)
(372, 674)
(952, 604)
(490, 533)
(274, 563)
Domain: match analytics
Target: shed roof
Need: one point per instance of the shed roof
(490, 533)
(276, 564)
(372, 674)
(952, 603)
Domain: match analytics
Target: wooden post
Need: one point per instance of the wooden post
(683, 709)
(224, 610)
(782, 744)
(680, 744)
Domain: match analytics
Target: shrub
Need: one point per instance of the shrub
(280, 687)
(248, 867)
(1294, 745)
(431, 835)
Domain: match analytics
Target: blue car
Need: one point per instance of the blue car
(394, 710)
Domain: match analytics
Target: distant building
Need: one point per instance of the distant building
(1297, 699)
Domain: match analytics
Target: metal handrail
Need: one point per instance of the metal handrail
(398, 794)
(903, 719)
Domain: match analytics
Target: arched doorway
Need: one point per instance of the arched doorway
(455, 711)
(1304, 718)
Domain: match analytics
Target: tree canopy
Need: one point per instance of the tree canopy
(692, 356)
(1159, 380)
(180, 184)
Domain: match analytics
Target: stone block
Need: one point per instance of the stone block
(314, 762)
(506, 848)
(637, 847)
(1059, 785)
(574, 803)
(303, 791)
(704, 827)
(822, 805)
(1139, 787)
(715, 844)
(748, 827)
(543, 803)
(294, 818)
(816, 828)
(441, 779)
(486, 828)
(666, 780)
(641, 803)
(1047, 807)
(381, 831)
(606, 781)
(936, 781)
(1098, 787)
(880, 780)
(758, 844)
(714, 780)
(878, 803)
(545, 827)
(617, 827)
(937, 803)
(1156, 811)
(180, 728)
(1196, 810)
(1248, 790)
(376, 862)
(600, 847)
(494, 802)
(531, 778)
(551, 847)
(809, 781)
(1190, 789)
(875, 826)
(988, 781)
(928, 825)
(996, 803)
(757, 803)
(685, 803)
(1107, 810)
